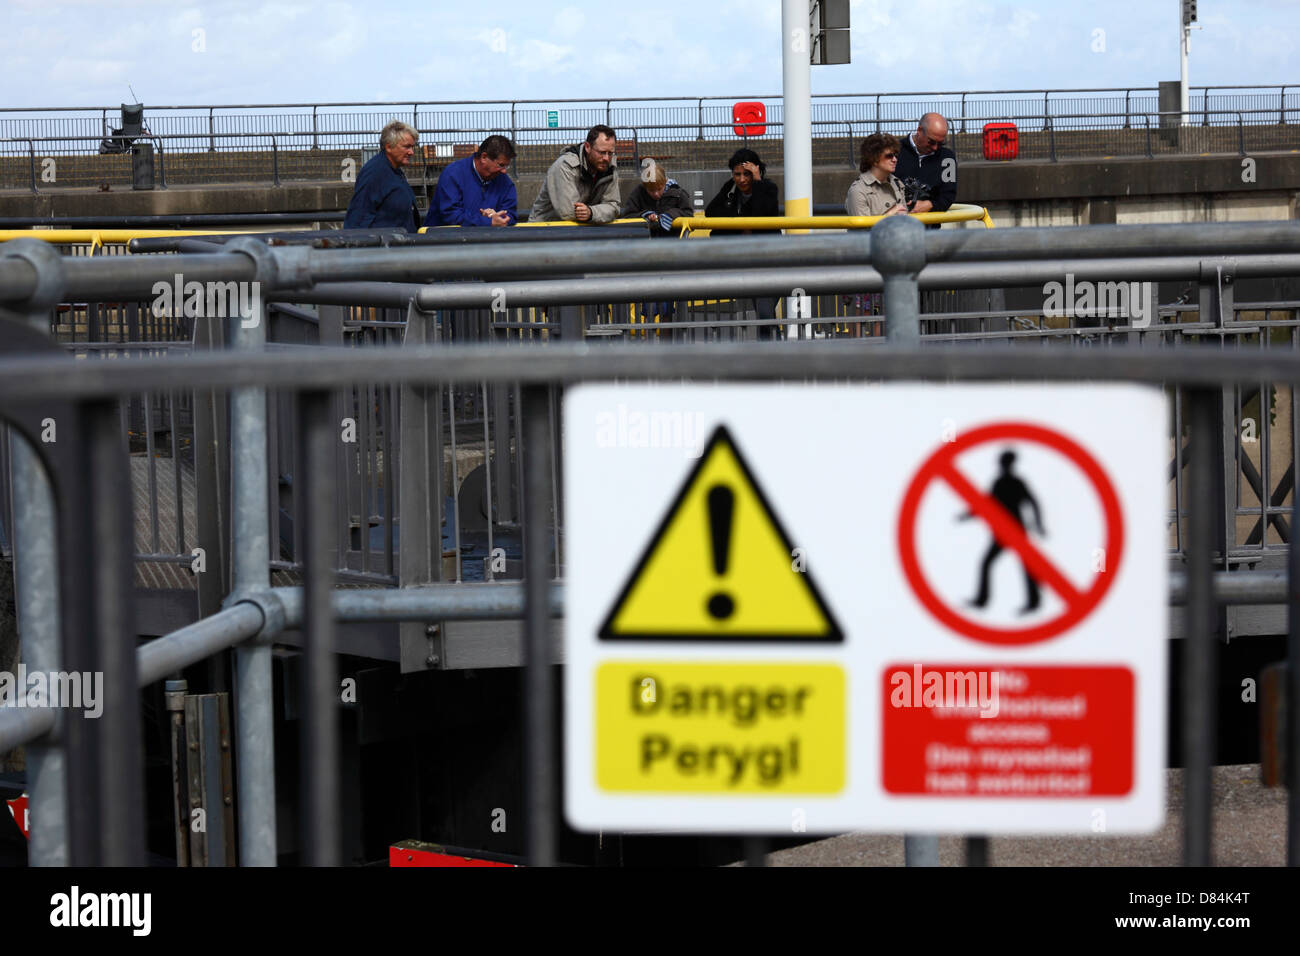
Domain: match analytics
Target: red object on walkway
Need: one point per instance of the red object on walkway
(1001, 141)
(750, 118)
(18, 808)
(418, 853)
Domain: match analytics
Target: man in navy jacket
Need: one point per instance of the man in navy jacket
(925, 158)
(475, 191)
(382, 198)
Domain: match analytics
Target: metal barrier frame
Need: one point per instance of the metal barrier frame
(103, 823)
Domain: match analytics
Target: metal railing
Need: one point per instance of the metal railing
(52, 162)
(317, 119)
(103, 807)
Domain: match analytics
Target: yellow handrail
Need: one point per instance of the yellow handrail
(97, 237)
(959, 212)
(557, 222)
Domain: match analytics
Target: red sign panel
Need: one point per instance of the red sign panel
(993, 730)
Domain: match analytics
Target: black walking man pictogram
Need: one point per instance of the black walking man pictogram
(1012, 494)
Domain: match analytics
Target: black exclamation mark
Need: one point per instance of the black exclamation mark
(721, 505)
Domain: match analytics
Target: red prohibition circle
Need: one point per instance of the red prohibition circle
(938, 465)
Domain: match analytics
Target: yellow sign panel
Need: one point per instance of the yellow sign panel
(685, 727)
(720, 567)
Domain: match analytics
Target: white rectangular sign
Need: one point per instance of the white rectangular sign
(904, 607)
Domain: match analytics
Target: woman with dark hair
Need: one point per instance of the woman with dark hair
(749, 194)
(877, 191)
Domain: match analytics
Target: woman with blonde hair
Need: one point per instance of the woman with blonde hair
(657, 200)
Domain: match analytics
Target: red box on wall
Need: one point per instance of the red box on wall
(750, 118)
(1001, 141)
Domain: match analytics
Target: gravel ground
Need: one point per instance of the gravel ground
(1249, 830)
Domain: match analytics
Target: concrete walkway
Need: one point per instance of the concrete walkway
(1249, 830)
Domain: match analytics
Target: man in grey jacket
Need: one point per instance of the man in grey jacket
(582, 184)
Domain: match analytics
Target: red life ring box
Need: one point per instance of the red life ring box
(750, 118)
(1001, 141)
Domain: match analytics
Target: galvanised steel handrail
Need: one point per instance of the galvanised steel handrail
(32, 276)
(632, 99)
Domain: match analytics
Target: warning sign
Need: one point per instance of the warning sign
(720, 566)
(680, 726)
(810, 609)
(1076, 572)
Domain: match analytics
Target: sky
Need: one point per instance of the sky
(88, 52)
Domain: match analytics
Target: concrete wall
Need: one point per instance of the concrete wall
(1168, 189)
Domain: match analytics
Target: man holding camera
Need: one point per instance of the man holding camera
(926, 159)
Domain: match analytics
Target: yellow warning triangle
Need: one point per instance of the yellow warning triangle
(720, 567)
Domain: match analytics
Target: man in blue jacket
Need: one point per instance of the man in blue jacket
(382, 198)
(475, 191)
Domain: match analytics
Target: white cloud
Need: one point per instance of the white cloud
(570, 21)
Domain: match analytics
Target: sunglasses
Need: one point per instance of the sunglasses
(891, 156)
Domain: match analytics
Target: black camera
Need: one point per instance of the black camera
(914, 191)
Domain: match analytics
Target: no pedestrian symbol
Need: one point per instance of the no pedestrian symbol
(1009, 495)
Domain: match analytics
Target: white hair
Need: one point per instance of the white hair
(393, 133)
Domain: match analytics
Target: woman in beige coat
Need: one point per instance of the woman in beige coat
(877, 191)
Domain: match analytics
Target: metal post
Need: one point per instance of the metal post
(1185, 39)
(977, 851)
(920, 850)
(420, 494)
(36, 597)
(254, 692)
(315, 139)
(212, 132)
(1199, 649)
(796, 105)
(275, 161)
(539, 716)
(1292, 697)
(317, 434)
(116, 735)
(162, 164)
(174, 692)
(898, 253)
(31, 157)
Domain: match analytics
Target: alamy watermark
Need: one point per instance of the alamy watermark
(196, 299)
(74, 908)
(938, 689)
(1134, 301)
(622, 428)
(76, 690)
